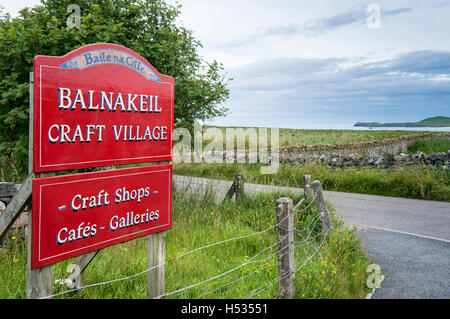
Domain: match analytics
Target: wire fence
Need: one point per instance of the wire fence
(256, 275)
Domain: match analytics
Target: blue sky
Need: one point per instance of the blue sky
(322, 63)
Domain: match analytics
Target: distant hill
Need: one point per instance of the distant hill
(437, 121)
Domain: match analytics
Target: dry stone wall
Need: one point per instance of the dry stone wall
(383, 153)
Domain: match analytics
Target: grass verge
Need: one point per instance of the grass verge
(335, 269)
(411, 182)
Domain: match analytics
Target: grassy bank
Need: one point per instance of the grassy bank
(413, 182)
(336, 270)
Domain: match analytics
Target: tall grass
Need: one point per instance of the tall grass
(337, 270)
(429, 146)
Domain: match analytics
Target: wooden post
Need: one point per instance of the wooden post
(16, 206)
(321, 206)
(236, 189)
(39, 281)
(307, 185)
(239, 186)
(286, 253)
(156, 255)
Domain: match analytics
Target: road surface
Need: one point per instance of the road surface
(409, 238)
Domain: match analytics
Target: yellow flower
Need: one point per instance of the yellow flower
(303, 295)
(212, 213)
(13, 237)
(323, 272)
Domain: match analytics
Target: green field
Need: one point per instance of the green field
(304, 136)
(333, 267)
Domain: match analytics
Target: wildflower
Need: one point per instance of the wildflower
(303, 295)
(212, 213)
(323, 272)
(13, 237)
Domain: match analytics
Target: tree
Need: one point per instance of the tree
(147, 27)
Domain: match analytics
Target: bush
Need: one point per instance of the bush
(147, 27)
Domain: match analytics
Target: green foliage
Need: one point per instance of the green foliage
(147, 27)
(429, 146)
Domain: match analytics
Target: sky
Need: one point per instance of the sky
(323, 63)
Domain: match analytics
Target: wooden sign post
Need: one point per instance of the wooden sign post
(100, 105)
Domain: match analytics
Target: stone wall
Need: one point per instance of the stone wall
(382, 161)
(389, 146)
(385, 153)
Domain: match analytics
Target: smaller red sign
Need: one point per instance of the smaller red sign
(76, 214)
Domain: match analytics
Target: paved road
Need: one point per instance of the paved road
(410, 239)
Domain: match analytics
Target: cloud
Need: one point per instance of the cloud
(319, 26)
(406, 87)
(312, 28)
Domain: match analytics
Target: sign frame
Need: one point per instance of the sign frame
(49, 156)
(46, 251)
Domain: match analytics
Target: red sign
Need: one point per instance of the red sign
(99, 105)
(76, 214)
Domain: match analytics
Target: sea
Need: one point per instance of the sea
(362, 128)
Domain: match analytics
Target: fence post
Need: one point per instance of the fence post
(237, 188)
(307, 185)
(286, 261)
(321, 206)
(39, 281)
(156, 254)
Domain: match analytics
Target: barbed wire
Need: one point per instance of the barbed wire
(165, 262)
(252, 260)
